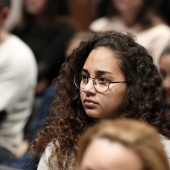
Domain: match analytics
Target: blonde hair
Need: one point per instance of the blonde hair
(139, 136)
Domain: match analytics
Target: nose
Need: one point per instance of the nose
(89, 88)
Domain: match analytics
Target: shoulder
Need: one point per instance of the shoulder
(166, 144)
(17, 48)
(44, 161)
(17, 58)
(20, 46)
(160, 31)
(155, 40)
(162, 27)
(99, 24)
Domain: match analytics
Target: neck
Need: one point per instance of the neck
(129, 20)
(129, 17)
(3, 35)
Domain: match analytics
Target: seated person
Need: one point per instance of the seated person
(121, 145)
(18, 74)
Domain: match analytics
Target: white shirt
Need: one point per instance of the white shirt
(18, 75)
(166, 144)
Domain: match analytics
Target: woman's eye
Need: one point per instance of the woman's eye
(84, 77)
(103, 80)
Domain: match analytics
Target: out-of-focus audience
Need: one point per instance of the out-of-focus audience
(18, 77)
(121, 145)
(44, 25)
(164, 66)
(142, 18)
(45, 29)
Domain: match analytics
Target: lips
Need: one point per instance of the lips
(89, 103)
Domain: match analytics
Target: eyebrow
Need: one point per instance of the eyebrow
(97, 71)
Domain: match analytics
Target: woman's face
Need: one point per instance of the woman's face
(164, 65)
(124, 6)
(35, 7)
(102, 63)
(104, 154)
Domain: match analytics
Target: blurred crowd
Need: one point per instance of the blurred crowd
(38, 38)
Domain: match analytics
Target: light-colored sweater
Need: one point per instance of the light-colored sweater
(18, 76)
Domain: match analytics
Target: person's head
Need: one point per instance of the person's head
(127, 5)
(4, 11)
(76, 39)
(121, 145)
(47, 7)
(43, 13)
(109, 76)
(35, 7)
(142, 10)
(164, 66)
(101, 82)
(114, 57)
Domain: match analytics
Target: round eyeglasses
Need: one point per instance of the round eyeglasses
(101, 84)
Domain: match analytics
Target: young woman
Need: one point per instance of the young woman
(143, 18)
(109, 76)
(122, 145)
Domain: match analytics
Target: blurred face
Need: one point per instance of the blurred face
(164, 65)
(124, 6)
(4, 11)
(35, 7)
(103, 154)
(102, 64)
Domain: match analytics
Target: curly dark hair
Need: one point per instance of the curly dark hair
(145, 99)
